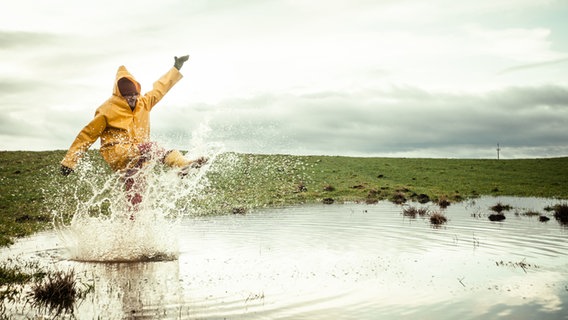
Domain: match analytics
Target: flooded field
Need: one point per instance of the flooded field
(349, 261)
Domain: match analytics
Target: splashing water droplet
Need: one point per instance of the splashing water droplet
(106, 227)
(98, 220)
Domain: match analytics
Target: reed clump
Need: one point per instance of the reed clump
(561, 213)
(412, 212)
(52, 292)
(58, 292)
(498, 209)
(437, 219)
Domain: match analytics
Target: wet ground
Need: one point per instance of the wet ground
(351, 261)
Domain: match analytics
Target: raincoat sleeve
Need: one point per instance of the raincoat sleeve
(162, 86)
(84, 140)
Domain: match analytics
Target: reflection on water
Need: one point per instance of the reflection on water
(341, 261)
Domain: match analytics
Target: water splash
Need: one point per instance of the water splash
(93, 215)
(96, 221)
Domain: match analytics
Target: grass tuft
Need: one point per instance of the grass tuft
(531, 213)
(499, 207)
(328, 188)
(443, 202)
(57, 292)
(437, 219)
(561, 213)
(496, 217)
(412, 212)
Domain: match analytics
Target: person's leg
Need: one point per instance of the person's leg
(134, 180)
(150, 151)
(134, 183)
(133, 177)
(173, 158)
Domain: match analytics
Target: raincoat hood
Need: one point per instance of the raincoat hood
(123, 73)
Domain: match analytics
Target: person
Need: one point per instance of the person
(123, 125)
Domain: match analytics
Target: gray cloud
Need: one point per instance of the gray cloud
(15, 39)
(534, 65)
(403, 119)
(17, 86)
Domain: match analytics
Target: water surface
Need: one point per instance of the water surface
(350, 261)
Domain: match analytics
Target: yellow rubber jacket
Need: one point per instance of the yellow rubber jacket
(120, 128)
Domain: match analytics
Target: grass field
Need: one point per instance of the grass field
(30, 182)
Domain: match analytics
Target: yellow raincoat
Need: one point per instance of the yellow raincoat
(121, 129)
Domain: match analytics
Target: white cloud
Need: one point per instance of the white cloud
(362, 77)
(517, 45)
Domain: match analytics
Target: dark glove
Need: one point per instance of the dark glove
(66, 170)
(180, 61)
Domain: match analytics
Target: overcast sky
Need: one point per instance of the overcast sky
(413, 78)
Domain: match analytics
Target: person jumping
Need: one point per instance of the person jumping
(123, 124)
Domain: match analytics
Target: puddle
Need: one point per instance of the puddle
(352, 261)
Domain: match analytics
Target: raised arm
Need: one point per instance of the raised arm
(165, 83)
(180, 61)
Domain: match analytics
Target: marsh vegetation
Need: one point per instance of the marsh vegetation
(31, 184)
(31, 187)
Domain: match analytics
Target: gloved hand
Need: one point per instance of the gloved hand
(180, 61)
(66, 170)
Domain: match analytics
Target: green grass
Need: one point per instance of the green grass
(30, 182)
(31, 187)
(357, 179)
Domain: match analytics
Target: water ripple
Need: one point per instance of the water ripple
(339, 261)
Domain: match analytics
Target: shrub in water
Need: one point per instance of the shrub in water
(443, 202)
(497, 217)
(437, 219)
(499, 207)
(57, 292)
(413, 211)
(410, 212)
(561, 213)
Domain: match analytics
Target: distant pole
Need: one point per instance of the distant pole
(498, 149)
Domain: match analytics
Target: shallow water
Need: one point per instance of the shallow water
(350, 261)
